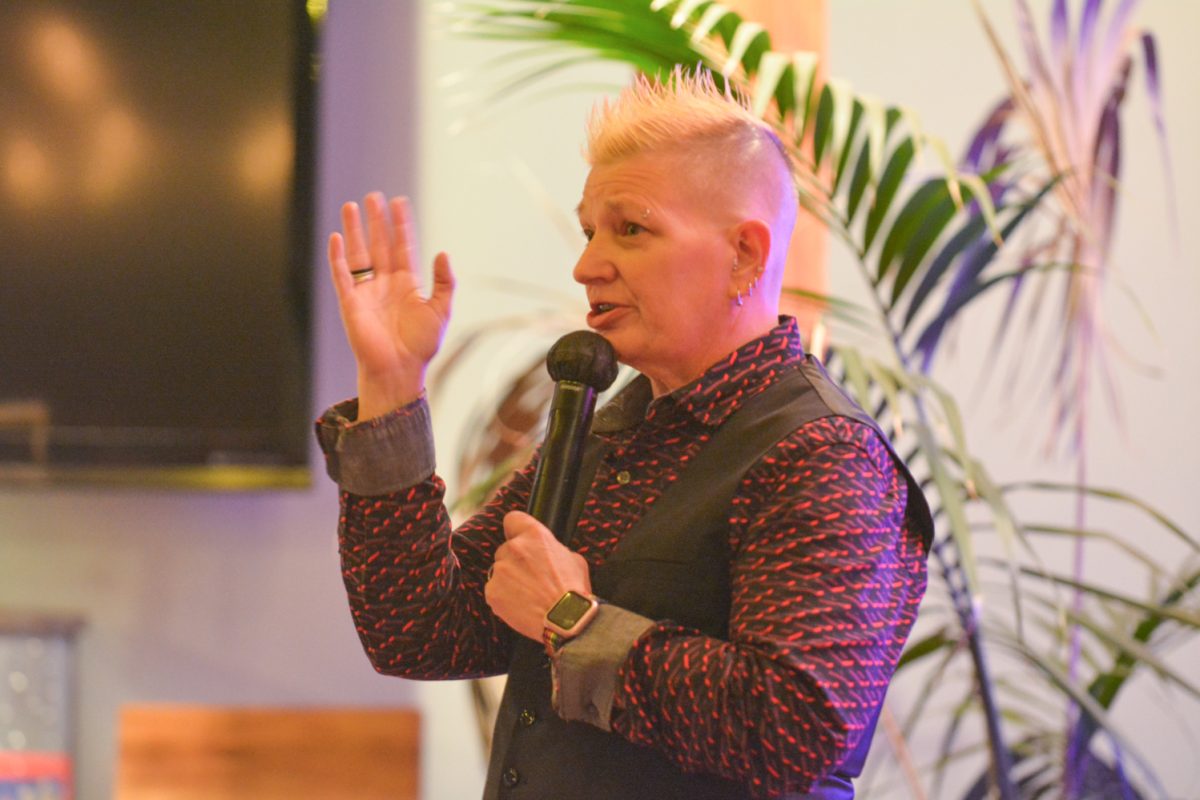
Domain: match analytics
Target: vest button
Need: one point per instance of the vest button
(623, 477)
(511, 777)
(528, 717)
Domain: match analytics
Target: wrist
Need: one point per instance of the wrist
(585, 674)
(379, 395)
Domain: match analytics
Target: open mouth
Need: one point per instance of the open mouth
(604, 314)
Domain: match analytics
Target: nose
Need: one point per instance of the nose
(593, 265)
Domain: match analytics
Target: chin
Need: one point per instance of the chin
(614, 338)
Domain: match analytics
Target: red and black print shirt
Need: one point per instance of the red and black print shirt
(825, 576)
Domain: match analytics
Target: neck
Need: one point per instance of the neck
(750, 323)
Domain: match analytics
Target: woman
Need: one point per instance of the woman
(747, 563)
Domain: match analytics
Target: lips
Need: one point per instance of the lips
(603, 314)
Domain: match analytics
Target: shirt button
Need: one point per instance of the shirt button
(511, 777)
(528, 717)
(623, 477)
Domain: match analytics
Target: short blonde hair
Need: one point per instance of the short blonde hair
(687, 113)
(687, 108)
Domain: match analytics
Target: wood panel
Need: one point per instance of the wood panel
(213, 753)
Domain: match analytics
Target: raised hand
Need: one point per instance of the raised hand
(393, 330)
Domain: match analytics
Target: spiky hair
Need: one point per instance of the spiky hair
(686, 110)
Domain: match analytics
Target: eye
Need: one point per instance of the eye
(588, 234)
(631, 229)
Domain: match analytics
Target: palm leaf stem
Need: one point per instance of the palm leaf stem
(1000, 762)
(1073, 759)
(903, 754)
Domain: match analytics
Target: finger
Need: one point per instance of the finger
(443, 286)
(339, 270)
(356, 243)
(379, 233)
(404, 243)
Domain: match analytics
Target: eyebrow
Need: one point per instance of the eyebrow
(614, 205)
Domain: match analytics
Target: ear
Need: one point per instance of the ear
(751, 240)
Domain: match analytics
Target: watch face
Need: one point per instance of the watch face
(569, 610)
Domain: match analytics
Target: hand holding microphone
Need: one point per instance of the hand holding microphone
(532, 568)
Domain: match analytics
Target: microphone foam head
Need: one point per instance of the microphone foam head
(584, 357)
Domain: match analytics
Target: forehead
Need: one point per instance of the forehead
(654, 180)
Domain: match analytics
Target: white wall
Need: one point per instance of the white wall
(237, 599)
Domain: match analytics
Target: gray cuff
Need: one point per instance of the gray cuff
(381, 455)
(586, 667)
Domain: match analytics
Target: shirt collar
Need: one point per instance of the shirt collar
(716, 394)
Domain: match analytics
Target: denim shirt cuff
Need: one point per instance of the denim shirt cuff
(586, 667)
(380, 455)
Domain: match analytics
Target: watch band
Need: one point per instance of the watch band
(551, 641)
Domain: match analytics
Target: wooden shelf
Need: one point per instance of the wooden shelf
(212, 753)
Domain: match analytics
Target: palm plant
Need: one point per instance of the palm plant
(1009, 215)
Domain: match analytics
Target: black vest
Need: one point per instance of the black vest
(672, 564)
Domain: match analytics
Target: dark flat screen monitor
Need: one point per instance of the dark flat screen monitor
(156, 163)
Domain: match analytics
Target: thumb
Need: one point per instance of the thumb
(443, 286)
(518, 523)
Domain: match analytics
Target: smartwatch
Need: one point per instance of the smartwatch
(567, 618)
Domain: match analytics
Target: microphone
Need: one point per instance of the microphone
(582, 364)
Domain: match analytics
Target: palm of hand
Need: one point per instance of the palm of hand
(393, 330)
(390, 324)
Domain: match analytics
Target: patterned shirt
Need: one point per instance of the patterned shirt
(825, 574)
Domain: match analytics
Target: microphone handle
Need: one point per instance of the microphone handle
(557, 471)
